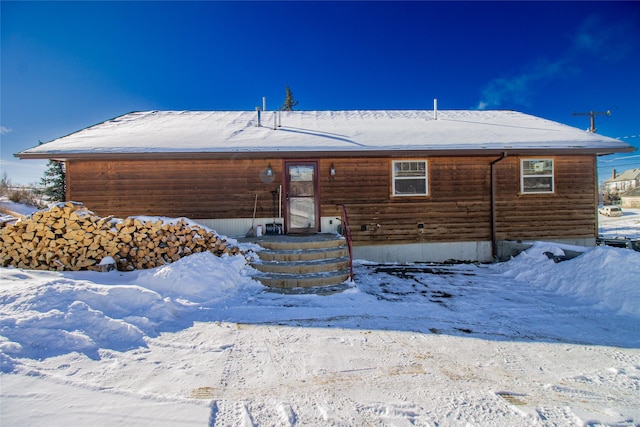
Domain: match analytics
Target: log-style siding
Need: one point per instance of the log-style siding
(457, 208)
(569, 212)
(195, 189)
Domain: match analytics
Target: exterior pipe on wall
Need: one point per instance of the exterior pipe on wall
(494, 238)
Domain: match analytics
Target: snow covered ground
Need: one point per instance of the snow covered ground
(626, 226)
(198, 342)
(12, 210)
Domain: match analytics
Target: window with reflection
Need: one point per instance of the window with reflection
(410, 178)
(536, 176)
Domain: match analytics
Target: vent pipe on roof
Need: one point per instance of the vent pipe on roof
(258, 110)
(435, 109)
(264, 103)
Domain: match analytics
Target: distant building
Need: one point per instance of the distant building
(627, 180)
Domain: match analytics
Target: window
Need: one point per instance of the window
(536, 176)
(410, 178)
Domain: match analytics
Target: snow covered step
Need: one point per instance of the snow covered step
(310, 280)
(300, 243)
(304, 254)
(303, 267)
(302, 261)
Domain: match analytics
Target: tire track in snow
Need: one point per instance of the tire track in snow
(284, 376)
(255, 379)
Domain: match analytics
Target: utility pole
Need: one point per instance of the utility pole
(592, 115)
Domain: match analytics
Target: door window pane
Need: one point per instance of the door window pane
(301, 181)
(302, 212)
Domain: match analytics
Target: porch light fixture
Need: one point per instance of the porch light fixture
(332, 170)
(269, 171)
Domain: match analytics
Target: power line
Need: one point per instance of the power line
(622, 157)
(629, 160)
(617, 165)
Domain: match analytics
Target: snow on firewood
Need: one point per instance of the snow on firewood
(67, 236)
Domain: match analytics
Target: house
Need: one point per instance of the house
(627, 180)
(631, 198)
(415, 185)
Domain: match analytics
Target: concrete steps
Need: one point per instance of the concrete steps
(302, 261)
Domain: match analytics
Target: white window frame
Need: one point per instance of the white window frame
(394, 177)
(551, 175)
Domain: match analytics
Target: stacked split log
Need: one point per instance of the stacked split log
(70, 237)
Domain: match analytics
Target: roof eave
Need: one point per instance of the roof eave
(60, 156)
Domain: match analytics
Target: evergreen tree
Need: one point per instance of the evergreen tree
(289, 103)
(54, 182)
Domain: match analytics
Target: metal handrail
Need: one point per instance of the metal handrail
(346, 230)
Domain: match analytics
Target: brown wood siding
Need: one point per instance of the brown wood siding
(196, 189)
(458, 207)
(569, 212)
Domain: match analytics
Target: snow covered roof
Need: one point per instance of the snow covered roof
(628, 175)
(320, 132)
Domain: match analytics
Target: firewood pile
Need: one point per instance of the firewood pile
(69, 237)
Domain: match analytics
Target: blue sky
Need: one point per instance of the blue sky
(69, 65)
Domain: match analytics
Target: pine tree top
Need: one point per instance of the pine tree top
(289, 102)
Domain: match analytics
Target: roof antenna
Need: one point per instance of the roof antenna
(592, 115)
